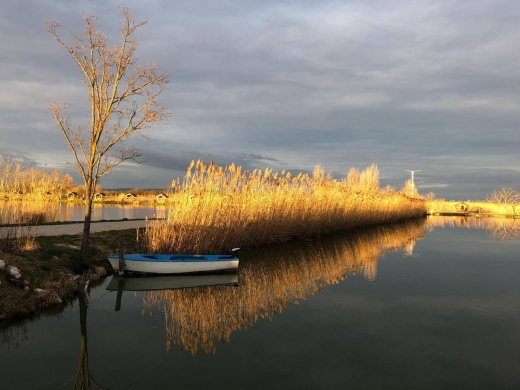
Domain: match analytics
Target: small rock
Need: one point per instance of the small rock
(26, 288)
(2, 265)
(14, 272)
(39, 291)
(55, 258)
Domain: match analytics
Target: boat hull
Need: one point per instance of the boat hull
(175, 264)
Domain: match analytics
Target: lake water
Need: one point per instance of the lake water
(14, 212)
(71, 212)
(426, 305)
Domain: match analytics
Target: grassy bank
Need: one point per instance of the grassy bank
(223, 207)
(441, 206)
(51, 272)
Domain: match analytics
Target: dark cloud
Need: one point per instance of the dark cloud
(289, 84)
(8, 154)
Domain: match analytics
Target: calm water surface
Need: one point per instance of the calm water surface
(71, 212)
(425, 305)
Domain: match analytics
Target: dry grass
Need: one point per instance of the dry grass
(201, 317)
(441, 206)
(222, 207)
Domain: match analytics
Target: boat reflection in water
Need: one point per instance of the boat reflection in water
(171, 282)
(198, 318)
(168, 282)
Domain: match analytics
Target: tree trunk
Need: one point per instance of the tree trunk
(86, 225)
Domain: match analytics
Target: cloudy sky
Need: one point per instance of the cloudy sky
(409, 85)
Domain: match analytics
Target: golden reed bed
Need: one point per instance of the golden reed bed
(218, 208)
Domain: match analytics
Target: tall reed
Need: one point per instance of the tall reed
(16, 180)
(27, 194)
(222, 207)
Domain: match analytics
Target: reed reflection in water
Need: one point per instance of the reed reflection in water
(199, 318)
(501, 228)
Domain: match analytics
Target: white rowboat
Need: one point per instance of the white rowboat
(174, 264)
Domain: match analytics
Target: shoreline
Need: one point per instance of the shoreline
(474, 214)
(74, 228)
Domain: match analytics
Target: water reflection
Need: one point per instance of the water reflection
(501, 228)
(68, 212)
(198, 318)
(168, 282)
(44, 212)
(14, 335)
(83, 379)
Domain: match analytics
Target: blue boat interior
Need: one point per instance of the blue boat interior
(179, 257)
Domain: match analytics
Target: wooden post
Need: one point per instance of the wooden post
(121, 259)
(120, 288)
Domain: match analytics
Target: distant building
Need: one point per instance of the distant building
(99, 196)
(129, 197)
(72, 195)
(161, 198)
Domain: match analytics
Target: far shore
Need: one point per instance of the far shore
(475, 214)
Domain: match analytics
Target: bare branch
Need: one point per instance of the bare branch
(123, 96)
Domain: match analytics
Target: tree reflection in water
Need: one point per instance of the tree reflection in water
(501, 228)
(199, 318)
(83, 379)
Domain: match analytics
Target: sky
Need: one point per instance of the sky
(430, 86)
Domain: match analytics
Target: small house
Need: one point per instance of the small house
(99, 196)
(72, 195)
(129, 197)
(161, 198)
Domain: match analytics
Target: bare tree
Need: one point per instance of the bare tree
(123, 98)
(506, 196)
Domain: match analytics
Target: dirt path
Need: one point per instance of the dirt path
(77, 228)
